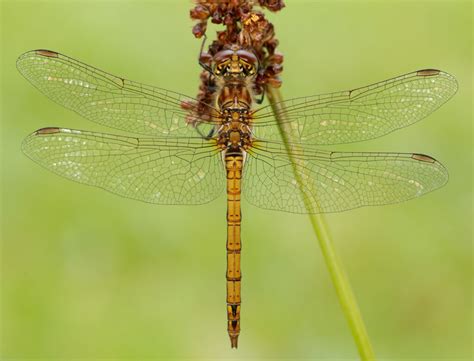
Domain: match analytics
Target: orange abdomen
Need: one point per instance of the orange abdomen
(233, 164)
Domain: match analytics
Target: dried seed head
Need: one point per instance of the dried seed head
(245, 28)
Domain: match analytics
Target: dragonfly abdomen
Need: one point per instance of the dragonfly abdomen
(233, 164)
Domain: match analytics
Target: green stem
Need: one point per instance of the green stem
(336, 270)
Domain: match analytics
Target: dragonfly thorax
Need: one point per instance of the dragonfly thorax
(235, 132)
(234, 96)
(234, 101)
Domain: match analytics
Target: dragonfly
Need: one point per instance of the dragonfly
(237, 147)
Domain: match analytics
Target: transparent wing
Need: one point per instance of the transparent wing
(154, 170)
(104, 98)
(335, 181)
(359, 114)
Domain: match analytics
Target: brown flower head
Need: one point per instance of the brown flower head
(245, 27)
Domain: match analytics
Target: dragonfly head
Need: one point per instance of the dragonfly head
(235, 64)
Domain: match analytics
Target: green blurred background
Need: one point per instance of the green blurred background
(86, 274)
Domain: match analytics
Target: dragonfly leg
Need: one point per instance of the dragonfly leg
(260, 100)
(202, 57)
(205, 136)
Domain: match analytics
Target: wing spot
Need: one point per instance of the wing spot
(423, 158)
(427, 72)
(49, 130)
(48, 53)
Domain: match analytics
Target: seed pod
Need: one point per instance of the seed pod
(199, 12)
(199, 29)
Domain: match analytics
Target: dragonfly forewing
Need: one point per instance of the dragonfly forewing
(359, 114)
(105, 98)
(153, 170)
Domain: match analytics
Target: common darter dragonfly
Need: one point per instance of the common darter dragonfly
(236, 147)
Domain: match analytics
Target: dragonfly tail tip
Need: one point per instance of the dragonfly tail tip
(233, 341)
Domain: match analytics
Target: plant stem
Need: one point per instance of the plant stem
(336, 270)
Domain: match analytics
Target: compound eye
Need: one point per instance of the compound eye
(247, 56)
